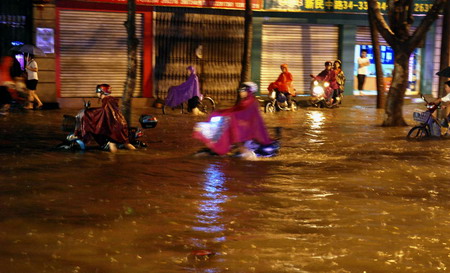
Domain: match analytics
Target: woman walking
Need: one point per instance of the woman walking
(32, 80)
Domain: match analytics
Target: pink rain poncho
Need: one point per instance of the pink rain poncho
(185, 91)
(238, 124)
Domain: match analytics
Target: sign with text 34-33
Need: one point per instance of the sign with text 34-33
(353, 6)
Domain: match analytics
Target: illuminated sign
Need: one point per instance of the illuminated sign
(227, 4)
(357, 6)
(45, 39)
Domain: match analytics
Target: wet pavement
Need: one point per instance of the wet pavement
(344, 195)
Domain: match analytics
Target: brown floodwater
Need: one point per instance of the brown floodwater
(344, 195)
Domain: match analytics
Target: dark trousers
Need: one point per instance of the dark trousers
(361, 79)
(288, 97)
(336, 94)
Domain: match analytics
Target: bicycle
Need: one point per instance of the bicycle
(206, 105)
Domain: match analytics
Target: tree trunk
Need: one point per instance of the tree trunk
(248, 29)
(394, 105)
(381, 90)
(132, 43)
(445, 54)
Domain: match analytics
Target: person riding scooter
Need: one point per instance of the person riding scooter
(328, 75)
(235, 126)
(105, 124)
(283, 85)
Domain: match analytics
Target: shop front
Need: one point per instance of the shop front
(363, 42)
(305, 34)
(92, 46)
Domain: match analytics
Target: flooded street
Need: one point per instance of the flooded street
(344, 195)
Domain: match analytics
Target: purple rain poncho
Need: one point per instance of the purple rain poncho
(183, 92)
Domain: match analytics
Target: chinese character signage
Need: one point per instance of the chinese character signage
(354, 6)
(227, 4)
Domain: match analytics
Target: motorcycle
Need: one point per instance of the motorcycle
(429, 125)
(320, 92)
(72, 142)
(278, 102)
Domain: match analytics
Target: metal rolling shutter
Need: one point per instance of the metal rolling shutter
(363, 37)
(93, 50)
(305, 48)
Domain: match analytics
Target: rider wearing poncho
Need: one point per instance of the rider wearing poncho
(283, 84)
(185, 91)
(235, 125)
(105, 124)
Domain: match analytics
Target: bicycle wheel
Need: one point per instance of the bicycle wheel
(418, 132)
(207, 105)
(269, 107)
(167, 110)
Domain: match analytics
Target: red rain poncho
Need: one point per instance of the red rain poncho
(283, 83)
(242, 122)
(105, 123)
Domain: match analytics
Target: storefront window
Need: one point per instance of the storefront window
(387, 64)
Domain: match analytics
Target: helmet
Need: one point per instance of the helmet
(328, 63)
(338, 61)
(103, 89)
(249, 87)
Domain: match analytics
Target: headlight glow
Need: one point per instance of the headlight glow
(318, 91)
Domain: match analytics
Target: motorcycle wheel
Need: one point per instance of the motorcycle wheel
(167, 110)
(294, 106)
(269, 107)
(207, 105)
(418, 132)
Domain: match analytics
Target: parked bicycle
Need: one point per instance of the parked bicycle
(429, 125)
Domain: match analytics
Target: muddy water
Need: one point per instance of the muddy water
(344, 195)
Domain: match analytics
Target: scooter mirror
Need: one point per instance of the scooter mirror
(421, 95)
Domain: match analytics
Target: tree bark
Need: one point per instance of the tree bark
(445, 55)
(394, 105)
(132, 43)
(397, 36)
(248, 30)
(381, 89)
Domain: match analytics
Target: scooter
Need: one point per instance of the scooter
(278, 102)
(320, 91)
(72, 142)
(212, 130)
(428, 125)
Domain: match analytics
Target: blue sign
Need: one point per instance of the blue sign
(387, 54)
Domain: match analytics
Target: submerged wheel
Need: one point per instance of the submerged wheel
(294, 106)
(418, 132)
(269, 107)
(207, 105)
(167, 110)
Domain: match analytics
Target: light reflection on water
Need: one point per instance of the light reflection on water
(315, 119)
(209, 215)
(366, 201)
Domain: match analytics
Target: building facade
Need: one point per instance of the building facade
(90, 45)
